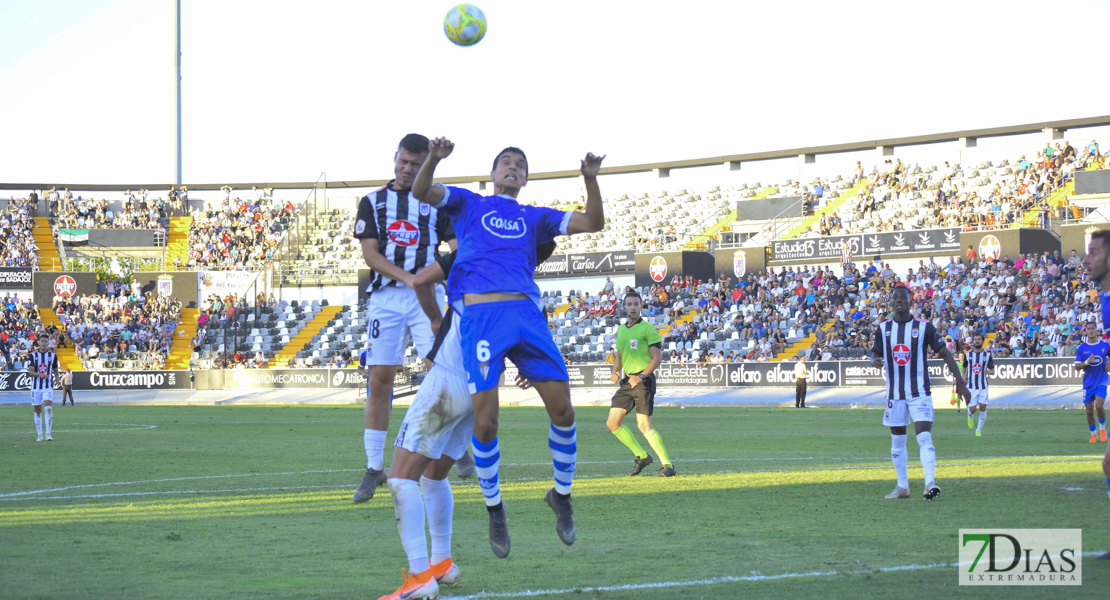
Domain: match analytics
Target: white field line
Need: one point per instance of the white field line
(755, 577)
(121, 427)
(37, 494)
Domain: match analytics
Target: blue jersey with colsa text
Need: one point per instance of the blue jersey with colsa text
(1104, 301)
(497, 242)
(1093, 374)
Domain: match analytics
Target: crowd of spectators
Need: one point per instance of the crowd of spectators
(1031, 306)
(239, 234)
(122, 326)
(20, 329)
(17, 238)
(945, 199)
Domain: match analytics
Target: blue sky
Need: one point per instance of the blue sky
(282, 91)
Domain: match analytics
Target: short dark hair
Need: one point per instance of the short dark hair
(632, 294)
(511, 150)
(415, 143)
(901, 287)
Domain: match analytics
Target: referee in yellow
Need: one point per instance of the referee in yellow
(639, 352)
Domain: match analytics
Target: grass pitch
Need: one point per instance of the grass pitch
(255, 502)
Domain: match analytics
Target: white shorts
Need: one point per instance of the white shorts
(899, 412)
(395, 317)
(441, 418)
(37, 396)
(979, 397)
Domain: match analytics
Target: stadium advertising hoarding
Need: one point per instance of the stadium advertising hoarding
(660, 267)
(587, 264)
(769, 208)
(240, 379)
(1009, 372)
(131, 380)
(1000, 243)
(15, 277)
(229, 282)
(172, 284)
(1078, 237)
(18, 381)
(1092, 182)
(945, 240)
(46, 285)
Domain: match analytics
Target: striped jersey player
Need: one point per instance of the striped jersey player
(399, 237)
(42, 367)
(902, 345)
(978, 365)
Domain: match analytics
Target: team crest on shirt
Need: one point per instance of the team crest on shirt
(901, 354)
(425, 209)
(360, 227)
(977, 369)
(403, 233)
(633, 344)
(914, 333)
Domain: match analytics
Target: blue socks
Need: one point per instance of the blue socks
(564, 453)
(487, 460)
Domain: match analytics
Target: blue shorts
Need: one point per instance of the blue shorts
(515, 329)
(1089, 394)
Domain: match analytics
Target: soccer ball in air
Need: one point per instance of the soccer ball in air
(465, 24)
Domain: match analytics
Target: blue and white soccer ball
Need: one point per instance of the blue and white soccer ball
(465, 24)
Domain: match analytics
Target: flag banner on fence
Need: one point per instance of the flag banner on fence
(74, 237)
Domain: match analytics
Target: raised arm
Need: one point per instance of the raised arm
(593, 219)
(422, 188)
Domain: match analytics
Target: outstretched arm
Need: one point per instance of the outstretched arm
(593, 220)
(422, 188)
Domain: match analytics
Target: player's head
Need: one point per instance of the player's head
(43, 342)
(1097, 260)
(977, 341)
(510, 169)
(1090, 330)
(900, 300)
(410, 155)
(633, 304)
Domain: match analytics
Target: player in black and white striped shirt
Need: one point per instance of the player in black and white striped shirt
(978, 365)
(399, 237)
(902, 344)
(42, 367)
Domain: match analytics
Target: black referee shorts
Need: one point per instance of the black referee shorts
(641, 397)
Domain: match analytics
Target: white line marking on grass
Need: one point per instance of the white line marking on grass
(755, 577)
(36, 494)
(147, 481)
(125, 427)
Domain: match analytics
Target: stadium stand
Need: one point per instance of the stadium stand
(770, 315)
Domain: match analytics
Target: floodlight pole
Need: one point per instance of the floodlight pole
(177, 84)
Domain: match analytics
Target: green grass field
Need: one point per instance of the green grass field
(255, 502)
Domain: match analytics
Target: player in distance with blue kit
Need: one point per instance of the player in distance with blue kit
(1091, 359)
(493, 276)
(1097, 262)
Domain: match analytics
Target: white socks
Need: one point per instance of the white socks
(48, 412)
(408, 505)
(440, 507)
(928, 456)
(374, 442)
(982, 419)
(38, 423)
(898, 457)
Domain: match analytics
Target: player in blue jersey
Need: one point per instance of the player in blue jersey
(1091, 358)
(1097, 262)
(493, 276)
